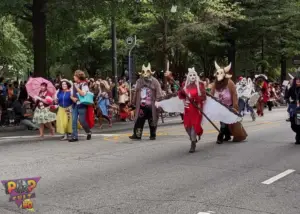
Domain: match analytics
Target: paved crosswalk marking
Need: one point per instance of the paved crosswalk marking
(208, 212)
(279, 176)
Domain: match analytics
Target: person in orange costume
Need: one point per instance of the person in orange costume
(193, 93)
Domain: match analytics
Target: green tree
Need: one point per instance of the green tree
(13, 50)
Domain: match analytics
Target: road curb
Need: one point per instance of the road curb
(35, 138)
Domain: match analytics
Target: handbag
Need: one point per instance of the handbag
(88, 99)
(53, 108)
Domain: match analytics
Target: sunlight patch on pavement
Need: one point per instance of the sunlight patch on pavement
(126, 135)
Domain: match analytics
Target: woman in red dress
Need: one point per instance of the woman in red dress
(262, 86)
(193, 93)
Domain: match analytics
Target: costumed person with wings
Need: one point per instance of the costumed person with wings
(148, 91)
(199, 109)
(193, 90)
(224, 90)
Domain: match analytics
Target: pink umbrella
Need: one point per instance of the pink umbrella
(33, 86)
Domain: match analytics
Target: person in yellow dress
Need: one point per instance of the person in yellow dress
(64, 114)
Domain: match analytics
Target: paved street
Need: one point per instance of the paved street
(112, 174)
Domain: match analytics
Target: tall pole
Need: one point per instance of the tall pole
(130, 66)
(114, 48)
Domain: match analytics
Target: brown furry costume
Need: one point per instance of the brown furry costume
(223, 82)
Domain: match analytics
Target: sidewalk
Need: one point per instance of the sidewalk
(116, 128)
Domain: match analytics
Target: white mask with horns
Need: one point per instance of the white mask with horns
(192, 77)
(222, 73)
(146, 72)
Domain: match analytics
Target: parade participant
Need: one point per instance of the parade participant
(193, 90)
(287, 87)
(103, 107)
(80, 111)
(148, 91)
(42, 114)
(208, 107)
(272, 96)
(262, 87)
(293, 95)
(64, 117)
(225, 91)
(245, 90)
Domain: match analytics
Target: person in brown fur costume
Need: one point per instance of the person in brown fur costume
(224, 90)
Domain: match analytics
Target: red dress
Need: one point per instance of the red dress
(192, 116)
(264, 90)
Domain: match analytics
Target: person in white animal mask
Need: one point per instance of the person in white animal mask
(193, 90)
(148, 91)
(224, 90)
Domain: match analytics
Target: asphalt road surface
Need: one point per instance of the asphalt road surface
(112, 174)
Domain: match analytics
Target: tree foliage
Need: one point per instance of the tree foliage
(254, 32)
(13, 50)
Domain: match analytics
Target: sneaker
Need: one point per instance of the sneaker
(227, 138)
(73, 140)
(65, 137)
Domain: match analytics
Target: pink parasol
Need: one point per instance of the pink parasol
(33, 86)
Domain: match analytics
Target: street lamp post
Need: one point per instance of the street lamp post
(130, 41)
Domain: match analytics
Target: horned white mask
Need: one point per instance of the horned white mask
(192, 77)
(222, 73)
(146, 71)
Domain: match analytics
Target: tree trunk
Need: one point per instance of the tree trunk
(283, 68)
(39, 37)
(231, 57)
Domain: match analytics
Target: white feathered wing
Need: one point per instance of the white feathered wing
(212, 109)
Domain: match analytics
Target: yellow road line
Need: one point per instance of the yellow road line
(210, 131)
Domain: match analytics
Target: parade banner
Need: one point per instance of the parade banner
(21, 191)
